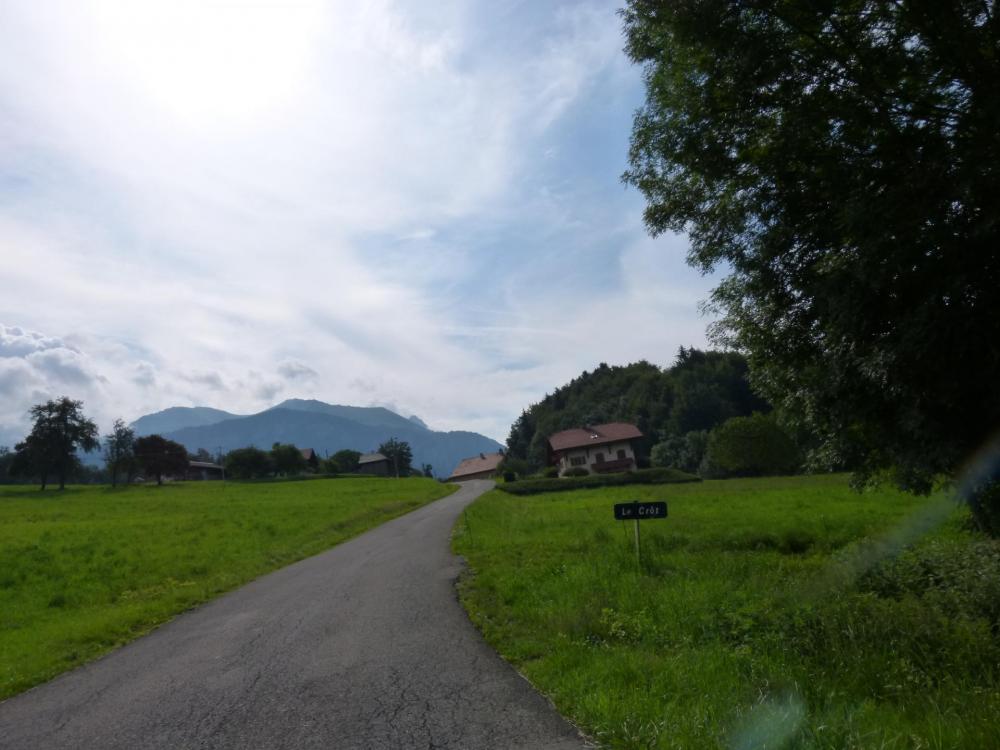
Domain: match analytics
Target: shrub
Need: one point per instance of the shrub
(517, 466)
(749, 447)
(684, 452)
(509, 476)
(643, 476)
(550, 472)
(574, 471)
(247, 463)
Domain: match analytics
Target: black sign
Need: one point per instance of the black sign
(639, 511)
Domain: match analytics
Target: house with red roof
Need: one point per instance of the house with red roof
(599, 449)
(483, 466)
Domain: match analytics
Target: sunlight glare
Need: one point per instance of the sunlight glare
(206, 63)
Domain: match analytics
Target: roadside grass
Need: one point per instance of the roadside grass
(88, 569)
(767, 613)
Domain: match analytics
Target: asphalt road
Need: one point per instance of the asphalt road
(362, 646)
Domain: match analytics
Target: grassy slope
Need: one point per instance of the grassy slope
(762, 617)
(90, 568)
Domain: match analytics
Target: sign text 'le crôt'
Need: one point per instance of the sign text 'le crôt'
(640, 511)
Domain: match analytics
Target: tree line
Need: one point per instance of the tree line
(60, 430)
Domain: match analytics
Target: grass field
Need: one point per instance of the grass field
(768, 613)
(87, 569)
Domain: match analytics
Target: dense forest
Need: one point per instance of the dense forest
(682, 403)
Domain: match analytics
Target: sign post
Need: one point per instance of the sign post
(636, 511)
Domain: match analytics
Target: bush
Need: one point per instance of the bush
(749, 447)
(247, 463)
(509, 476)
(574, 471)
(343, 462)
(684, 452)
(517, 466)
(643, 476)
(984, 504)
(551, 472)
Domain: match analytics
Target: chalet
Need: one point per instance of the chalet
(597, 448)
(375, 463)
(483, 466)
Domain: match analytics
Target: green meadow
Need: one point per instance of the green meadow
(765, 613)
(85, 570)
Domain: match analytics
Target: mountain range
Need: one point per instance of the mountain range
(326, 428)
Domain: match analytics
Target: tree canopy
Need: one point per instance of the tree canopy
(59, 430)
(749, 447)
(343, 461)
(159, 456)
(248, 463)
(841, 161)
(119, 451)
(287, 459)
(399, 454)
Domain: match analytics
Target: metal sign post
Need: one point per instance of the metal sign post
(637, 511)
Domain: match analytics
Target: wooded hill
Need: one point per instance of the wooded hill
(699, 392)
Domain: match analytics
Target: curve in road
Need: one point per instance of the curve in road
(362, 646)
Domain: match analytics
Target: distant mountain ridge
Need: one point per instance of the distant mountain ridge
(179, 417)
(308, 423)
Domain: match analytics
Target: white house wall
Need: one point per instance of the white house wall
(589, 454)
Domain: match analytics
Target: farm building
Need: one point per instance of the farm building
(599, 448)
(483, 466)
(312, 460)
(198, 470)
(375, 463)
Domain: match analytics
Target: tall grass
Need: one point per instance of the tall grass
(87, 569)
(777, 613)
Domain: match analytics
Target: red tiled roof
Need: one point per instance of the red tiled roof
(476, 464)
(582, 437)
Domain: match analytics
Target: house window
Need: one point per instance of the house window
(599, 458)
(577, 461)
(621, 455)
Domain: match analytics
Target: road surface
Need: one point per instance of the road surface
(362, 646)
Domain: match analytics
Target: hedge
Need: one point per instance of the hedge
(643, 476)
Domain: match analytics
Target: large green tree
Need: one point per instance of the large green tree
(6, 460)
(58, 431)
(119, 451)
(248, 463)
(841, 161)
(159, 456)
(749, 447)
(399, 454)
(286, 459)
(343, 462)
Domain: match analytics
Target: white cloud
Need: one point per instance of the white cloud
(293, 370)
(212, 205)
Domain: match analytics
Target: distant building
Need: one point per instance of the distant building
(201, 470)
(483, 466)
(599, 448)
(375, 463)
(312, 460)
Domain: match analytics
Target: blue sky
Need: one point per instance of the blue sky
(413, 205)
